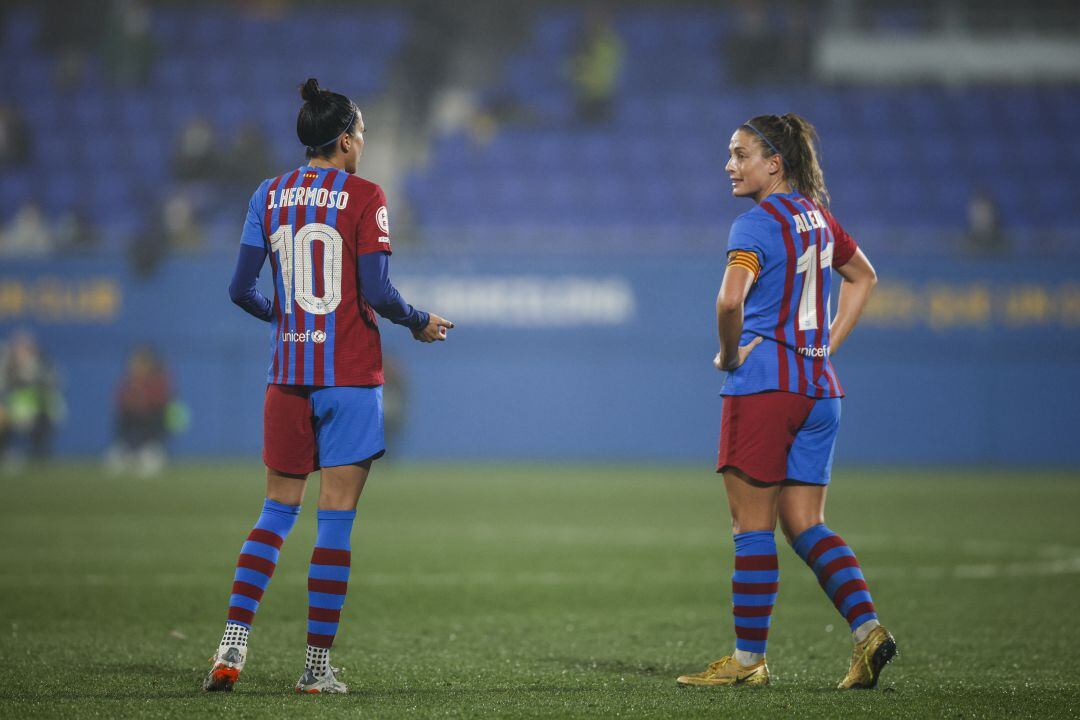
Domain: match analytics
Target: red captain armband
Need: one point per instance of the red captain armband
(746, 260)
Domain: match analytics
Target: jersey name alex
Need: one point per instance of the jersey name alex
(796, 243)
(314, 223)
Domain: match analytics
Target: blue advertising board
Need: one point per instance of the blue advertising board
(586, 358)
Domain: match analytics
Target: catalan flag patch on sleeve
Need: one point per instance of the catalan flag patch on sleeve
(745, 259)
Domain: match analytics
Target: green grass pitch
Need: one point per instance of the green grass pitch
(534, 591)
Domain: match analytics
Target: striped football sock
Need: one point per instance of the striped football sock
(328, 581)
(753, 592)
(258, 558)
(840, 576)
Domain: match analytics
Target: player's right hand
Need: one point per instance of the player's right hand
(744, 351)
(435, 330)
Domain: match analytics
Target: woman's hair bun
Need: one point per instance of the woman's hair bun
(323, 117)
(310, 90)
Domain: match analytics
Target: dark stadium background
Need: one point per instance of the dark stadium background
(579, 255)
(578, 246)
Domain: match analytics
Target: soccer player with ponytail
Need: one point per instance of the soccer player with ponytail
(782, 396)
(327, 234)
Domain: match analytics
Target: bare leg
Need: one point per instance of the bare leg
(753, 504)
(341, 486)
(801, 507)
(285, 488)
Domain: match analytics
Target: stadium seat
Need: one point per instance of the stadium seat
(662, 156)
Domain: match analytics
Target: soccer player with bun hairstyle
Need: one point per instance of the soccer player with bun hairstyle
(782, 395)
(327, 234)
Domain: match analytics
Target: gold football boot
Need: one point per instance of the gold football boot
(728, 671)
(868, 659)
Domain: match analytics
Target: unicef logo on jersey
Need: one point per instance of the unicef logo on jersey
(315, 336)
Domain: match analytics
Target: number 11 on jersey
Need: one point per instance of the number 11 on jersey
(807, 265)
(296, 257)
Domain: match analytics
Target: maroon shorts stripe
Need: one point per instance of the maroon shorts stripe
(752, 610)
(247, 590)
(852, 586)
(241, 615)
(836, 565)
(756, 562)
(744, 588)
(751, 633)
(323, 614)
(256, 563)
(823, 545)
(330, 587)
(320, 641)
(860, 609)
(266, 537)
(325, 556)
(288, 432)
(756, 432)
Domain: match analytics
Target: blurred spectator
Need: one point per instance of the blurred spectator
(174, 226)
(128, 48)
(75, 234)
(144, 416)
(14, 138)
(30, 402)
(985, 235)
(595, 68)
(182, 230)
(249, 160)
(436, 26)
(27, 235)
(798, 45)
(147, 251)
(196, 154)
(497, 109)
(750, 47)
(69, 32)
(769, 49)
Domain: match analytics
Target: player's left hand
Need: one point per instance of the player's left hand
(434, 331)
(744, 352)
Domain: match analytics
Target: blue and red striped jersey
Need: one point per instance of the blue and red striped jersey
(314, 223)
(797, 243)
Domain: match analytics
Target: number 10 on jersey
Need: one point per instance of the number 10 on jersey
(296, 257)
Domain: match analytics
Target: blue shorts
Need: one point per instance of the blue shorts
(305, 428)
(811, 456)
(778, 436)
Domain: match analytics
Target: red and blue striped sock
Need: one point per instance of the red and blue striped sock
(838, 572)
(754, 586)
(255, 566)
(328, 581)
